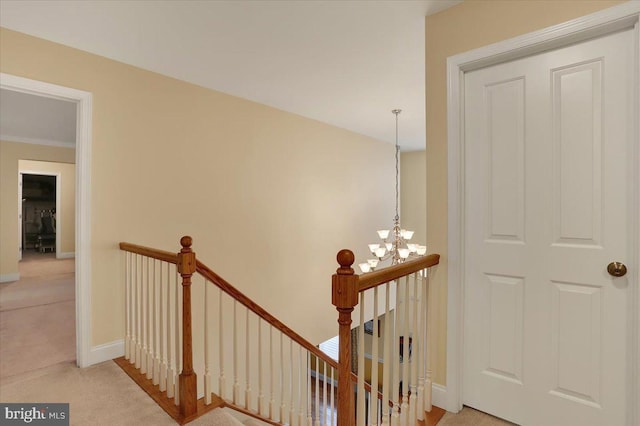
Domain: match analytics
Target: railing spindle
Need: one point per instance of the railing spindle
(406, 307)
(386, 356)
(156, 331)
(427, 334)
(221, 380)
(301, 388)
(317, 372)
(207, 369)
(247, 391)
(292, 410)
(138, 305)
(415, 349)
(374, 416)
(360, 417)
(177, 357)
(236, 384)
(127, 307)
(261, 407)
(171, 374)
(272, 367)
(163, 330)
(282, 401)
(421, 352)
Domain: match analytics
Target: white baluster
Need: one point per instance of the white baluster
(247, 391)
(360, 396)
(301, 388)
(395, 357)
(178, 340)
(373, 402)
(150, 354)
(283, 406)
(222, 379)
(415, 352)
(144, 308)
(157, 288)
(309, 416)
(138, 314)
(207, 362)
(236, 385)
(127, 307)
(272, 368)
(171, 372)
(261, 407)
(427, 382)
(317, 372)
(292, 410)
(420, 345)
(324, 392)
(406, 306)
(163, 333)
(332, 416)
(387, 358)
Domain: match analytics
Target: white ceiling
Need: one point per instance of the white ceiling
(36, 119)
(347, 63)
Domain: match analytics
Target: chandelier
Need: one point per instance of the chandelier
(395, 243)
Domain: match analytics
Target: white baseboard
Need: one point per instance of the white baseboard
(106, 352)
(6, 278)
(439, 396)
(66, 255)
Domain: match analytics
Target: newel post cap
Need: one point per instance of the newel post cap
(186, 257)
(344, 285)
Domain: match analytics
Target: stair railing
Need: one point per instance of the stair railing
(396, 300)
(185, 326)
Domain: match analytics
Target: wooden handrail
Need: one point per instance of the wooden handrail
(165, 256)
(216, 279)
(375, 278)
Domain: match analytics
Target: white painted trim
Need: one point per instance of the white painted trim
(626, 15)
(83, 198)
(66, 255)
(7, 278)
(439, 395)
(35, 141)
(58, 200)
(106, 352)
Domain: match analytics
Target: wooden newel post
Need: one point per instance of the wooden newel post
(344, 296)
(188, 391)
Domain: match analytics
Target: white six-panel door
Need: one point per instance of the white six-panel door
(547, 145)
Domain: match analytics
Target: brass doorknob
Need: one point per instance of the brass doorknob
(617, 269)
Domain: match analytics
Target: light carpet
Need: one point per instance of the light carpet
(37, 315)
(98, 395)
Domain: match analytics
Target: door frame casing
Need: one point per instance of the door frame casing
(84, 101)
(624, 16)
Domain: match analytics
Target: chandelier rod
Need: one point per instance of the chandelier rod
(396, 112)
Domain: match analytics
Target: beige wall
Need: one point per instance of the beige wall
(269, 197)
(65, 216)
(467, 26)
(10, 154)
(413, 194)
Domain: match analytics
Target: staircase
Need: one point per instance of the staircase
(195, 344)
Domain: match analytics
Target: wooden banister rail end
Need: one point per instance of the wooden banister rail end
(375, 278)
(165, 256)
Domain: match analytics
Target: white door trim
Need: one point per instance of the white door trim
(626, 15)
(58, 198)
(83, 198)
